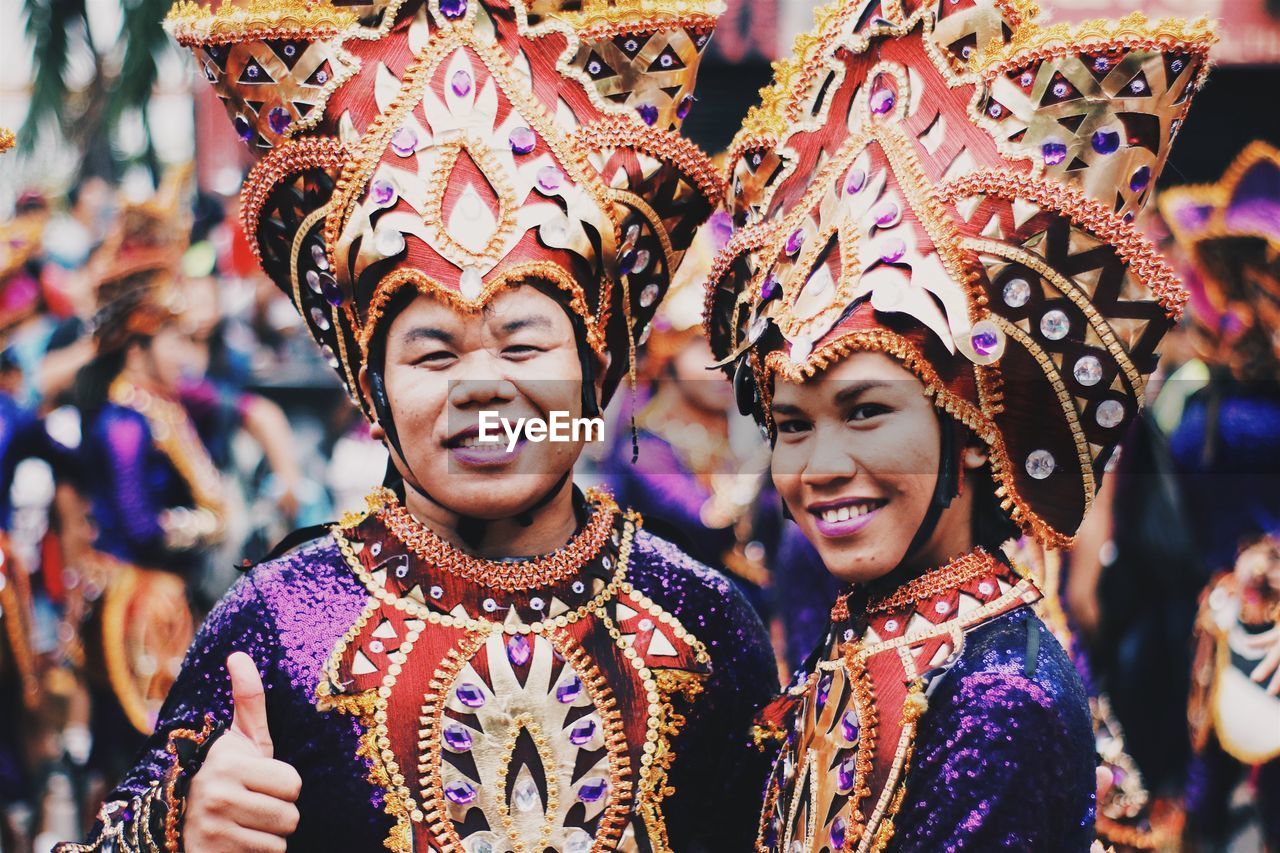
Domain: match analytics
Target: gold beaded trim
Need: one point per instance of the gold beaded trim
(960, 571)
(509, 577)
(1138, 253)
(6, 139)
(289, 158)
(1032, 42)
(194, 25)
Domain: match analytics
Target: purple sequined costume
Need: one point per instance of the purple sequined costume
(292, 614)
(901, 734)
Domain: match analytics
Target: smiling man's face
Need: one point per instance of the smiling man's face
(518, 357)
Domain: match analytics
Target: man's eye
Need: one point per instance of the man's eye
(520, 350)
(435, 359)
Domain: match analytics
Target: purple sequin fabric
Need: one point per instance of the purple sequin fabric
(1004, 759)
(289, 613)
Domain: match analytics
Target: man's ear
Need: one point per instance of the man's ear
(366, 391)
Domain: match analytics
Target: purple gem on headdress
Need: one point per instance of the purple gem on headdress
(569, 692)
(457, 737)
(1118, 775)
(769, 287)
(846, 775)
(460, 83)
(794, 242)
(824, 689)
(984, 342)
(686, 104)
(329, 287)
(518, 650)
(582, 732)
(523, 140)
(243, 128)
(322, 76)
(849, 726)
(1140, 179)
(1053, 153)
(855, 181)
(1138, 86)
(648, 113)
(887, 213)
(882, 101)
(383, 192)
(278, 119)
(893, 251)
(1106, 141)
(1128, 217)
(252, 72)
(838, 827)
(470, 694)
(453, 9)
(460, 792)
(593, 789)
(404, 141)
(1101, 64)
(550, 179)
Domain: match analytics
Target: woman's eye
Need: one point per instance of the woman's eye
(792, 426)
(866, 411)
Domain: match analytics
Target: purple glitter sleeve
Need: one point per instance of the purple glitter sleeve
(1004, 759)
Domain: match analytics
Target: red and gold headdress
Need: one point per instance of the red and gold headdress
(137, 264)
(1230, 231)
(953, 184)
(461, 146)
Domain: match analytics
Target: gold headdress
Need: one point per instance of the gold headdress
(461, 146)
(953, 184)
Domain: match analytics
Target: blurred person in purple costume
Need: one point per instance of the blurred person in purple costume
(927, 302)
(476, 206)
(1227, 454)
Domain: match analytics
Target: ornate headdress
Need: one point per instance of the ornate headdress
(137, 264)
(460, 146)
(6, 139)
(1230, 230)
(953, 184)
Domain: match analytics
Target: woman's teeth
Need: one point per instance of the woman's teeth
(844, 513)
(473, 442)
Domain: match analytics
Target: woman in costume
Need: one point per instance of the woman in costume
(492, 193)
(155, 494)
(938, 307)
(1226, 450)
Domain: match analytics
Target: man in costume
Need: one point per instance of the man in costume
(1226, 450)
(475, 206)
(936, 303)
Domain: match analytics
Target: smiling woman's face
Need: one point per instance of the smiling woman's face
(518, 358)
(856, 461)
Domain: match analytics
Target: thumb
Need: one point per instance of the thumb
(249, 702)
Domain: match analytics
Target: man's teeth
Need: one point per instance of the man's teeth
(844, 513)
(473, 442)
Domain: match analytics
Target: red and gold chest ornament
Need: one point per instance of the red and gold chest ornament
(849, 728)
(953, 184)
(460, 146)
(513, 706)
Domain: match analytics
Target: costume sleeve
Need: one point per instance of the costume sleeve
(144, 812)
(1000, 764)
(744, 678)
(125, 440)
